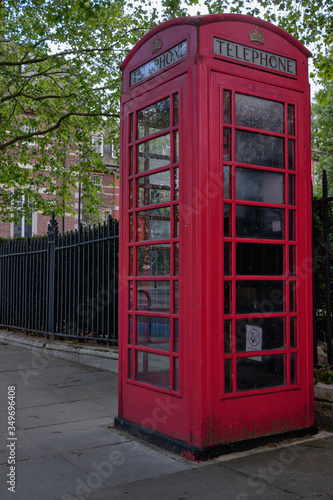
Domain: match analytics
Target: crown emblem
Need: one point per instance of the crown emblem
(156, 45)
(256, 36)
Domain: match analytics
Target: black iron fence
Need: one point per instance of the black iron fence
(63, 285)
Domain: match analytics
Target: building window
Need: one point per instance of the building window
(97, 144)
(24, 226)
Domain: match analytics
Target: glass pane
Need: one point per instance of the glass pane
(176, 270)
(154, 260)
(227, 259)
(260, 334)
(259, 185)
(260, 113)
(291, 190)
(131, 118)
(131, 266)
(153, 224)
(130, 363)
(292, 261)
(293, 369)
(291, 119)
(227, 220)
(130, 329)
(153, 332)
(268, 371)
(292, 296)
(175, 109)
(259, 222)
(154, 153)
(226, 182)
(227, 337)
(154, 118)
(227, 376)
(153, 369)
(176, 297)
(226, 144)
(226, 106)
(131, 194)
(131, 162)
(153, 296)
(259, 297)
(259, 149)
(291, 155)
(131, 227)
(175, 374)
(176, 146)
(176, 222)
(176, 183)
(227, 297)
(154, 188)
(293, 332)
(176, 335)
(259, 259)
(292, 230)
(130, 295)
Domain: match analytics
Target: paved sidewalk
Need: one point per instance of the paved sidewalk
(67, 448)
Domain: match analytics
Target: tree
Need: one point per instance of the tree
(59, 84)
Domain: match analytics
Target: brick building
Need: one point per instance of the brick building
(38, 223)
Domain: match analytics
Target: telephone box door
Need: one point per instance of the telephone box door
(260, 359)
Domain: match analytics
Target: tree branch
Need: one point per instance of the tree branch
(35, 98)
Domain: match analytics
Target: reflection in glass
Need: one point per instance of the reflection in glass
(227, 337)
(259, 113)
(259, 259)
(154, 188)
(154, 260)
(130, 363)
(292, 229)
(259, 185)
(153, 332)
(261, 373)
(293, 332)
(293, 368)
(130, 329)
(227, 259)
(176, 297)
(153, 369)
(226, 144)
(154, 118)
(131, 227)
(176, 263)
(227, 297)
(226, 106)
(291, 119)
(131, 194)
(130, 296)
(131, 265)
(259, 297)
(291, 154)
(176, 221)
(131, 118)
(226, 182)
(176, 146)
(131, 161)
(176, 374)
(227, 376)
(176, 335)
(260, 334)
(153, 296)
(175, 109)
(227, 220)
(292, 261)
(291, 189)
(259, 222)
(154, 153)
(259, 149)
(292, 296)
(176, 183)
(153, 224)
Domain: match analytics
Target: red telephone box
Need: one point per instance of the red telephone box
(215, 318)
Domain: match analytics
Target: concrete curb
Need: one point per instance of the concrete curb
(96, 357)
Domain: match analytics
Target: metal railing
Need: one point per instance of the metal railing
(63, 285)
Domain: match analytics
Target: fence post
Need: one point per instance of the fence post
(52, 232)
